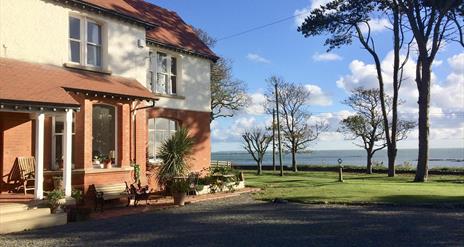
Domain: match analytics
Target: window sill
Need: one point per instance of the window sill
(105, 170)
(87, 68)
(171, 96)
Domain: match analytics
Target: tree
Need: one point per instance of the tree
(228, 95)
(367, 123)
(431, 23)
(256, 143)
(294, 110)
(343, 20)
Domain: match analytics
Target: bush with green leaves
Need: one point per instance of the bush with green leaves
(179, 186)
(175, 152)
(54, 198)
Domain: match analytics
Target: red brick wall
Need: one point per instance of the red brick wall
(199, 127)
(17, 138)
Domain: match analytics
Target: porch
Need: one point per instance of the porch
(22, 134)
(71, 122)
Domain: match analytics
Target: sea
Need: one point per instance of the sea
(449, 157)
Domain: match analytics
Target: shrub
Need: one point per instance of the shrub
(175, 153)
(53, 199)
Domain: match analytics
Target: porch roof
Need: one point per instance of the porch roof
(41, 84)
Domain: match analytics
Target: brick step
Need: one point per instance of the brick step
(27, 214)
(34, 223)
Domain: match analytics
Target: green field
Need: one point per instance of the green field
(323, 187)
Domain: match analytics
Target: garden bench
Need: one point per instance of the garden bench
(23, 172)
(107, 192)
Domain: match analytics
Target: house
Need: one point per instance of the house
(87, 82)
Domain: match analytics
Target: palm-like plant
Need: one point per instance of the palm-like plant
(175, 153)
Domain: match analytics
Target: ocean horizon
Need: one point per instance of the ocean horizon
(438, 157)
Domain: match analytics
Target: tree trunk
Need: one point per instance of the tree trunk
(424, 104)
(295, 168)
(260, 167)
(391, 146)
(391, 159)
(369, 163)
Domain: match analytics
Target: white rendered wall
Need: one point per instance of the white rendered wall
(37, 31)
(193, 85)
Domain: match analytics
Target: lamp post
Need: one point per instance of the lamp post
(340, 170)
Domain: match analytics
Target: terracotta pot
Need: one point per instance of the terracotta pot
(58, 183)
(179, 198)
(108, 164)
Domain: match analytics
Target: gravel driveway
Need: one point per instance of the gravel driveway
(241, 221)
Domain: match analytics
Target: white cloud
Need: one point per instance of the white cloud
(456, 63)
(257, 58)
(326, 57)
(318, 97)
(301, 14)
(447, 97)
(256, 103)
(376, 25)
(437, 63)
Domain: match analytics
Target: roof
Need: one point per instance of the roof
(48, 84)
(170, 30)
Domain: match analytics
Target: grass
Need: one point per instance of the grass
(323, 187)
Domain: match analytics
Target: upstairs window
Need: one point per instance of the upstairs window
(85, 42)
(163, 73)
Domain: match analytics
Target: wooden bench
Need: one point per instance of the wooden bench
(107, 192)
(24, 172)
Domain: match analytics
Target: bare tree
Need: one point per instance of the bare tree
(293, 104)
(367, 125)
(431, 23)
(256, 142)
(228, 95)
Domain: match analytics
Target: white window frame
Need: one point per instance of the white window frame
(153, 72)
(153, 132)
(55, 166)
(84, 20)
(116, 132)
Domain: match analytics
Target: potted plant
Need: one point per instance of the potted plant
(175, 153)
(58, 183)
(55, 198)
(106, 162)
(179, 189)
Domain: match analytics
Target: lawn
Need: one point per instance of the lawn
(323, 187)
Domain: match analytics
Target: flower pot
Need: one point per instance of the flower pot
(108, 164)
(179, 198)
(58, 183)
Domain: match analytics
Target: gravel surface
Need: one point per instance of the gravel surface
(241, 221)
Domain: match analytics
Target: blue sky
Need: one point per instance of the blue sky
(280, 50)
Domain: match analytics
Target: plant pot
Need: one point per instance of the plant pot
(58, 183)
(179, 198)
(108, 164)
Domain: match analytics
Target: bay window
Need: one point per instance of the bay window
(85, 41)
(159, 130)
(162, 75)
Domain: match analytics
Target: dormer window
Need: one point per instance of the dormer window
(163, 73)
(85, 41)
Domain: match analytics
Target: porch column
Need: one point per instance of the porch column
(67, 152)
(39, 155)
